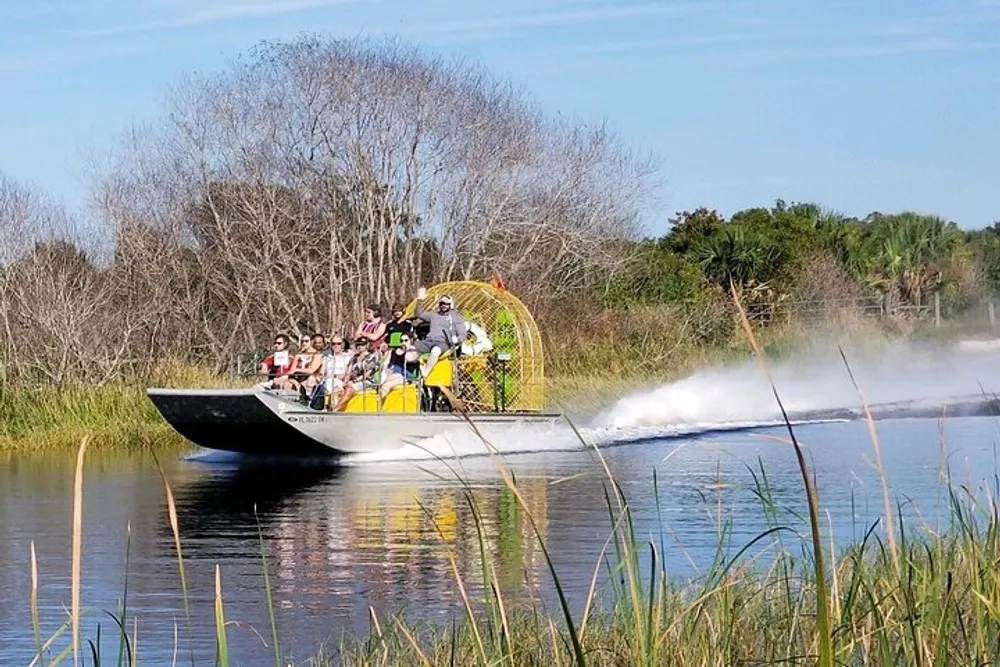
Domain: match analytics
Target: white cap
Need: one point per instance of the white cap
(447, 299)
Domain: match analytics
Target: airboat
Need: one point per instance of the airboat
(495, 378)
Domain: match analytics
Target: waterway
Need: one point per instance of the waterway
(379, 535)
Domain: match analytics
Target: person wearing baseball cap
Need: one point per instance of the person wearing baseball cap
(447, 328)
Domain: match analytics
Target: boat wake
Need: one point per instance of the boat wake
(513, 441)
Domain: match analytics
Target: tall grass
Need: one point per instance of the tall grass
(941, 608)
(76, 549)
(68, 412)
(178, 551)
(115, 414)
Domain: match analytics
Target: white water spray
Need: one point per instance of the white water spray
(737, 397)
(900, 374)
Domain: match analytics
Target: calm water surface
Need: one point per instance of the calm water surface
(379, 534)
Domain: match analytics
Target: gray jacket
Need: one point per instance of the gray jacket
(444, 327)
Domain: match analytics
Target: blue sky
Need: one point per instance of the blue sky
(856, 105)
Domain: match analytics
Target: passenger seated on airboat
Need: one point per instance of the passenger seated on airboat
(308, 373)
(300, 366)
(337, 363)
(397, 327)
(373, 328)
(400, 366)
(331, 377)
(362, 373)
(277, 365)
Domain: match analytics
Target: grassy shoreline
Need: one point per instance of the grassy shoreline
(113, 416)
(116, 415)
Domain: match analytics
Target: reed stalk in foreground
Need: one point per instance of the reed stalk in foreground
(272, 619)
(77, 548)
(822, 596)
(564, 605)
(176, 530)
(890, 530)
(35, 626)
(124, 646)
(222, 644)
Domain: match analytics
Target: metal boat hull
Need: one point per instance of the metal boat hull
(260, 422)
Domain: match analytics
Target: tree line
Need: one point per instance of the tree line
(804, 252)
(309, 178)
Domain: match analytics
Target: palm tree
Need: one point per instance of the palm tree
(909, 253)
(737, 257)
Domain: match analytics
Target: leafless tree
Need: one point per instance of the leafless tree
(314, 176)
(58, 312)
(290, 189)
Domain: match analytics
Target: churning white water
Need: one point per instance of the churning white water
(902, 373)
(739, 397)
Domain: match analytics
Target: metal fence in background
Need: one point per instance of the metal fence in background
(977, 315)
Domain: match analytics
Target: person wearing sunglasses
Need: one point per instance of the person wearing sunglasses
(335, 370)
(401, 366)
(308, 364)
(277, 365)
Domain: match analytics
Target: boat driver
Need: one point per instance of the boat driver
(447, 328)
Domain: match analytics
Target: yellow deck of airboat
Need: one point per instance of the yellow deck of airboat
(504, 373)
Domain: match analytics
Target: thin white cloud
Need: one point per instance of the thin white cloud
(497, 25)
(754, 51)
(215, 12)
(778, 38)
(928, 45)
(676, 43)
(222, 11)
(948, 18)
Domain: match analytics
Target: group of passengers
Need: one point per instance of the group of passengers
(384, 355)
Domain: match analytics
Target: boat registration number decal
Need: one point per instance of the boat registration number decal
(305, 419)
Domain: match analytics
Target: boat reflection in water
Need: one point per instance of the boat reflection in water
(341, 538)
